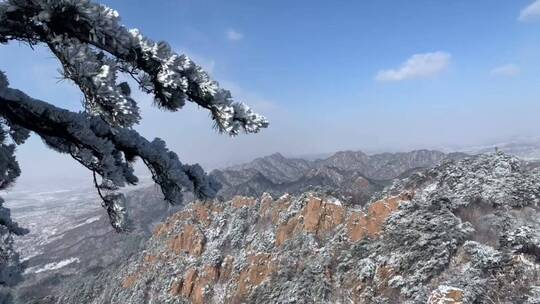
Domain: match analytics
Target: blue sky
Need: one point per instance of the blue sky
(372, 75)
(317, 54)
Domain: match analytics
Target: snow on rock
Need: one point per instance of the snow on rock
(461, 232)
(446, 295)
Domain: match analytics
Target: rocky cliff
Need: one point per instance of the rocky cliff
(463, 232)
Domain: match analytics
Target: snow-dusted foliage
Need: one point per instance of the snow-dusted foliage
(95, 74)
(483, 256)
(10, 267)
(476, 210)
(106, 150)
(92, 45)
(498, 178)
(93, 48)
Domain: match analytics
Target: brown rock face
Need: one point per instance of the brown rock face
(176, 288)
(150, 259)
(225, 272)
(191, 286)
(189, 282)
(195, 281)
(320, 217)
(199, 212)
(190, 240)
(129, 281)
(277, 207)
(202, 214)
(202, 282)
(370, 224)
(260, 267)
(317, 217)
(286, 230)
(446, 295)
(161, 229)
(383, 275)
(241, 201)
(209, 275)
(167, 227)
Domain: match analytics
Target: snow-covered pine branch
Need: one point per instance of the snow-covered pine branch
(93, 49)
(105, 149)
(171, 77)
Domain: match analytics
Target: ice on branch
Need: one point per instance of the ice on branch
(94, 50)
(95, 74)
(105, 149)
(173, 79)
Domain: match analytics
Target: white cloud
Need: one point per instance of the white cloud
(234, 35)
(507, 70)
(417, 66)
(530, 12)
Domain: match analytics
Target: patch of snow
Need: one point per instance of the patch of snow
(440, 295)
(430, 187)
(52, 266)
(104, 71)
(334, 201)
(86, 222)
(284, 196)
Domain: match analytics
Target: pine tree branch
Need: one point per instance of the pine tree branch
(104, 148)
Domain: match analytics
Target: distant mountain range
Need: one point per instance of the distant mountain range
(524, 148)
(353, 175)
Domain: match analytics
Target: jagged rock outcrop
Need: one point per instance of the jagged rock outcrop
(462, 232)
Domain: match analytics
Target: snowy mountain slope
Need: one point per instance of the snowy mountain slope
(70, 234)
(463, 232)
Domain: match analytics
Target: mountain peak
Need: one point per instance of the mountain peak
(275, 155)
